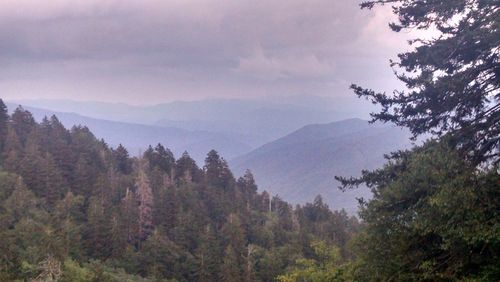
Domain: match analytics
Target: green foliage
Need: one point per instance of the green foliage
(435, 211)
(323, 267)
(74, 209)
(452, 79)
(433, 216)
(73, 272)
(4, 118)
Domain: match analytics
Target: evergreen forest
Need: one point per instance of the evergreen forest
(73, 208)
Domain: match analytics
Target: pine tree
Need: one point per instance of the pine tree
(123, 163)
(129, 220)
(165, 208)
(433, 216)
(234, 234)
(21, 203)
(230, 270)
(98, 234)
(186, 169)
(452, 79)
(54, 185)
(217, 172)
(23, 123)
(4, 119)
(163, 159)
(145, 196)
(59, 146)
(248, 189)
(64, 218)
(209, 256)
(13, 152)
(32, 168)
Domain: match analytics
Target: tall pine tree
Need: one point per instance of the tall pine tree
(452, 79)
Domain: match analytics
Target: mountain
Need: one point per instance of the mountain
(303, 164)
(257, 121)
(136, 137)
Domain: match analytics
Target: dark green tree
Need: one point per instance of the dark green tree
(54, 185)
(209, 256)
(4, 119)
(452, 79)
(433, 217)
(186, 169)
(23, 123)
(122, 160)
(164, 159)
(97, 234)
(231, 270)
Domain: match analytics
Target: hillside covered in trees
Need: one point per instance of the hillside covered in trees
(74, 209)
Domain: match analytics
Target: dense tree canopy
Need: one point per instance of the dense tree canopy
(433, 216)
(435, 209)
(74, 209)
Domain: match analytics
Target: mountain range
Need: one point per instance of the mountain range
(137, 137)
(302, 164)
(250, 134)
(254, 121)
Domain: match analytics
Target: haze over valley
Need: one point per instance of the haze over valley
(249, 140)
(294, 146)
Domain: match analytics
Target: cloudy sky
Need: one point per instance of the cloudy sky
(150, 51)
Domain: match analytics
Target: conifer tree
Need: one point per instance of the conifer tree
(64, 220)
(433, 215)
(21, 203)
(13, 152)
(54, 184)
(209, 256)
(59, 146)
(123, 164)
(145, 196)
(98, 235)
(129, 219)
(452, 79)
(23, 123)
(231, 269)
(163, 158)
(4, 119)
(186, 169)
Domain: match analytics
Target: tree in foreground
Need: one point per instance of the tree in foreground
(435, 209)
(452, 79)
(433, 216)
(324, 267)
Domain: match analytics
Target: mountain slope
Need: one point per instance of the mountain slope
(303, 164)
(136, 137)
(259, 120)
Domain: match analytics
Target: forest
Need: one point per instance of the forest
(73, 208)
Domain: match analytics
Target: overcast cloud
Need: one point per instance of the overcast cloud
(150, 51)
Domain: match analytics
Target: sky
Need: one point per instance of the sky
(153, 51)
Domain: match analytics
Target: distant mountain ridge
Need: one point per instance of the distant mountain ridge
(136, 137)
(258, 120)
(303, 164)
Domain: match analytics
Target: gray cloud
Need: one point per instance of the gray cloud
(150, 51)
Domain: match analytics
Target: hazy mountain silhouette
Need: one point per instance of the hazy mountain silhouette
(136, 137)
(258, 121)
(303, 164)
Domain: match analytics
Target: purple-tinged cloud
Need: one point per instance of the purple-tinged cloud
(151, 51)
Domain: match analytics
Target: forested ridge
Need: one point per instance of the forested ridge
(74, 209)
